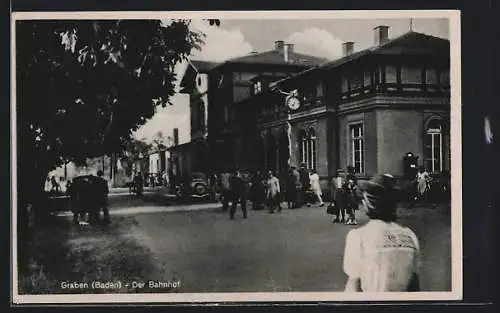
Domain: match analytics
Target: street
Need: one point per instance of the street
(295, 250)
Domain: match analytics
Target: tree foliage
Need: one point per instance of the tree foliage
(84, 86)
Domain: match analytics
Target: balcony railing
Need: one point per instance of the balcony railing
(396, 89)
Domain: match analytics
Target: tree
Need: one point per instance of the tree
(133, 150)
(84, 86)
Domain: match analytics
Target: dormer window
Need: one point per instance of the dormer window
(257, 87)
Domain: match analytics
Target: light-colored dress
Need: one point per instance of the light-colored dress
(422, 179)
(315, 186)
(273, 187)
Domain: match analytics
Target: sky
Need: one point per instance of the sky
(317, 37)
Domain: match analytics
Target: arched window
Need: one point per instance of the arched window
(307, 148)
(433, 146)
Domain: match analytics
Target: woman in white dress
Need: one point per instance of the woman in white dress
(315, 186)
(423, 179)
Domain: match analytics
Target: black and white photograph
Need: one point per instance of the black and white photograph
(198, 157)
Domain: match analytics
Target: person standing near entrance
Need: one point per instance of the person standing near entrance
(381, 255)
(298, 186)
(291, 189)
(337, 197)
(257, 191)
(351, 201)
(238, 194)
(351, 175)
(304, 182)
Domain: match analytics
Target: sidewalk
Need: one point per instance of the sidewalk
(121, 191)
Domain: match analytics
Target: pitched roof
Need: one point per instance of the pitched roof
(195, 67)
(410, 43)
(276, 58)
(203, 66)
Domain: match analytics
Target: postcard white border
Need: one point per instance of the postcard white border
(456, 166)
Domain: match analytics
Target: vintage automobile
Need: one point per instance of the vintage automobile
(199, 184)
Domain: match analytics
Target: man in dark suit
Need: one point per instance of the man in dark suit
(102, 191)
(305, 183)
(238, 194)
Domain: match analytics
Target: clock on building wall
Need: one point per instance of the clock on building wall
(292, 102)
(201, 83)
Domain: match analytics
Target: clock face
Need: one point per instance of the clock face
(293, 103)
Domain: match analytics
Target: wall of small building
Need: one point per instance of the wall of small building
(368, 119)
(332, 144)
(398, 132)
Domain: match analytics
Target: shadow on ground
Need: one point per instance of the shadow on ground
(65, 254)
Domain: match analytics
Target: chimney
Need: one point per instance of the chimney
(279, 45)
(176, 136)
(289, 52)
(381, 35)
(347, 48)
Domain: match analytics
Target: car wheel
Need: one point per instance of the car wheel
(200, 189)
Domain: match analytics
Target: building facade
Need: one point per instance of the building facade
(379, 104)
(367, 109)
(232, 84)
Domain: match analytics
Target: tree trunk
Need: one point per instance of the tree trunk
(31, 205)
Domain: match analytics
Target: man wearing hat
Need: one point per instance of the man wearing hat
(381, 255)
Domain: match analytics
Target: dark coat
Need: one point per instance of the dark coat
(88, 193)
(304, 178)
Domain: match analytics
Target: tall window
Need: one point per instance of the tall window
(434, 146)
(411, 75)
(357, 147)
(308, 148)
(319, 89)
(444, 79)
(367, 78)
(430, 77)
(345, 84)
(391, 76)
(356, 81)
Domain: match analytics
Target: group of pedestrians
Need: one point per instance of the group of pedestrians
(89, 195)
(379, 256)
(346, 197)
(298, 187)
